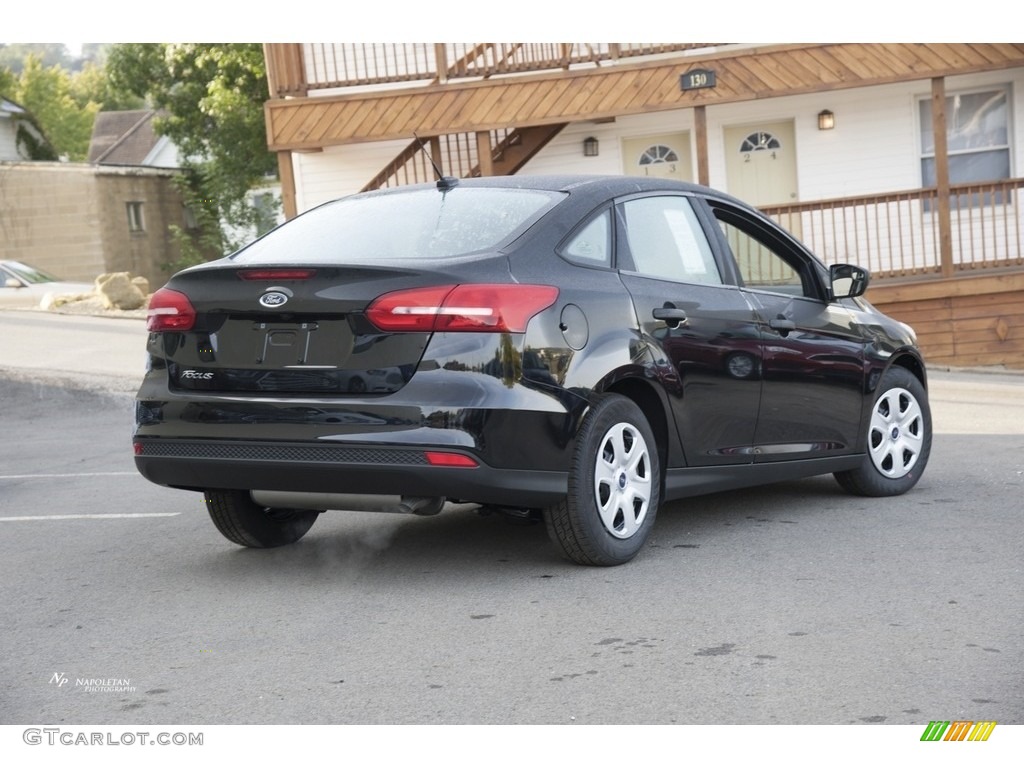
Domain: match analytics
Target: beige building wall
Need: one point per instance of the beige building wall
(73, 219)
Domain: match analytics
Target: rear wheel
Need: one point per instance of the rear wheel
(243, 521)
(614, 487)
(899, 439)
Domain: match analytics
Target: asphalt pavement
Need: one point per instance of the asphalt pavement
(788, 604)
(105, 354)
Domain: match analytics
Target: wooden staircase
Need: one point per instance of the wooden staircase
(504, 152)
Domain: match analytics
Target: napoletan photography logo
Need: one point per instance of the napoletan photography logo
(958, 730)
(93, 684)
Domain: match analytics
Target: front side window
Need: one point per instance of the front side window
(763, 263)
(666, 240)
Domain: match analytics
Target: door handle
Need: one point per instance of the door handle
(673, 316)
(782, 325)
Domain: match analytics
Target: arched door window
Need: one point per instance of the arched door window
(759, 141)
(658, 153)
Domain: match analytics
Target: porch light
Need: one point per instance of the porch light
(590, 147)
(826, 120)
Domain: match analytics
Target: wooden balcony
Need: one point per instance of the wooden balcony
(297, 69)
(326, 95)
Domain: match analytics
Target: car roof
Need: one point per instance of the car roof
(594, 187)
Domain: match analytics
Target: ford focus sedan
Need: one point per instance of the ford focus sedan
(573, 349)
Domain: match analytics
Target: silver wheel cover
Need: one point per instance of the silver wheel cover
(622, 480)
(896, 433)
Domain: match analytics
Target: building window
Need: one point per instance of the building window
(759, 142)
(658, 153)
(188, 215)
(977, 138)
(135, 221)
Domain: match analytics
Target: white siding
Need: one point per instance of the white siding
(8, 145)
(164, 154)
(339, 171)
(874, 147)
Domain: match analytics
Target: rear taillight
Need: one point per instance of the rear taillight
(487, 307)
(170, 311)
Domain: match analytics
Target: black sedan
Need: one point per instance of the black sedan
(577, 349)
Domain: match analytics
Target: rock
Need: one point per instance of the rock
(118, 291)
(142, 284)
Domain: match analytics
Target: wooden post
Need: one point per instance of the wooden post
(286, 72)
(441, 62)
(435, 153)
(700, 126)
(942, 175)
(287, 174)
(483, 153)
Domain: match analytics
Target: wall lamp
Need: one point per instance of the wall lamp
(826, 120)
(590, 147)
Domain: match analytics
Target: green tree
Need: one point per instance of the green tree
(8, 82)
(91, 85)
(212, 96)
(47, 93)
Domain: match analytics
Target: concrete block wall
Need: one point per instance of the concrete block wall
(71, 219)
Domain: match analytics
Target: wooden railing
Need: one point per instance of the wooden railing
(456, 154)
(294, 69)
(899, 234)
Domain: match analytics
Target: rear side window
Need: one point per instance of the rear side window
(666, 240)
(592, 245)
(416, 224)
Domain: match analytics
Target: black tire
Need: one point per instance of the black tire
(614, 487)
(244, 522)
(899, 438)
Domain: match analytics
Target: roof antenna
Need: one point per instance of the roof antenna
(444, 183)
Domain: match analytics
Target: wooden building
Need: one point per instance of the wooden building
(904, 158)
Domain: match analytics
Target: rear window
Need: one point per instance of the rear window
(420, 224)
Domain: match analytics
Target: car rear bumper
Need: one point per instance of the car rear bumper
(350, 468)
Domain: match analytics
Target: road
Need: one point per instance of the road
(793, 603)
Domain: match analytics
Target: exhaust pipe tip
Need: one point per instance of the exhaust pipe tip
(424, 506)
(408, 505)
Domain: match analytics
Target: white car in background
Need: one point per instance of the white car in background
(22, 285)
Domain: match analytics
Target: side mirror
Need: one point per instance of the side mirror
(847, 281)
(12, 282)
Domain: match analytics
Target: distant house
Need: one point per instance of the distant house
(79, 220)
(20, 137)
(128, 138)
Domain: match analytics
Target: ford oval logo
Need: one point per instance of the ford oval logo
(273, 299)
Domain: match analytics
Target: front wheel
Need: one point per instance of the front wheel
(614, 487)
(243, 521)
(899, 439)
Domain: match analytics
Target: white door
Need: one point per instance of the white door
(760, 163)
(665, 156)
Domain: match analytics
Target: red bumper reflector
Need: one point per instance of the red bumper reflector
(443, 459)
